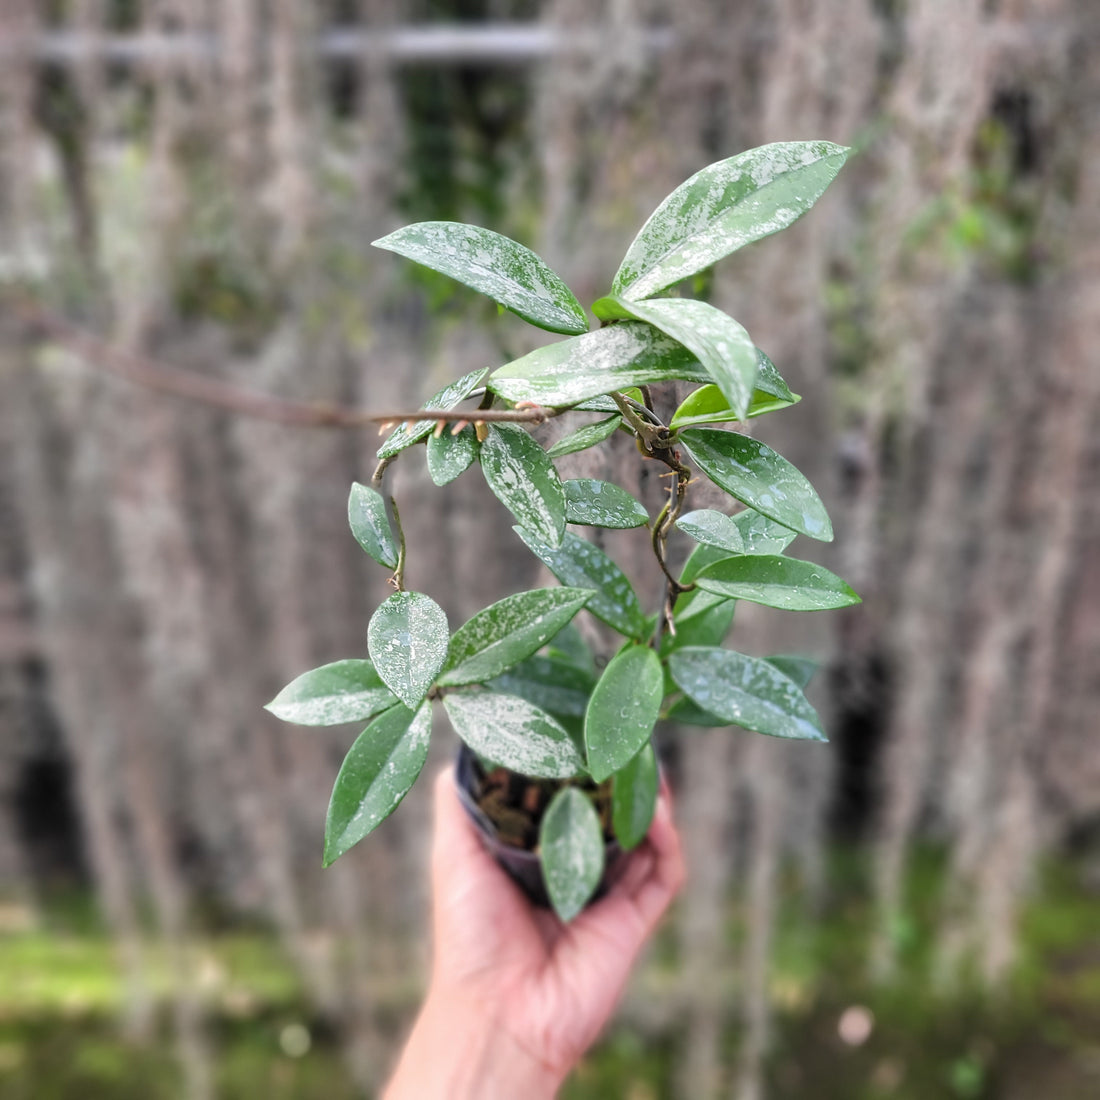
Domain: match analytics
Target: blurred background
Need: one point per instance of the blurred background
(192, 186)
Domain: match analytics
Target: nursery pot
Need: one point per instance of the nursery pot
(521, 863)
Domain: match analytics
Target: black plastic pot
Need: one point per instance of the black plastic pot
(523, 866)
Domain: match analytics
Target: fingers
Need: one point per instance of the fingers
(455, 843)
(661, 872)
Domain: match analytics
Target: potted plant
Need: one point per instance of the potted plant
(559, 765)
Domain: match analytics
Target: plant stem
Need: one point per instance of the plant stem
(656, 440)
(380, 472)
(535, 414)
(399, 573)
(152, 374)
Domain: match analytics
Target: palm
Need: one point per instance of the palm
(553, 985)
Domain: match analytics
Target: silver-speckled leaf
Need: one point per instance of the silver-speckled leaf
(712, 528)
(447, 398)
(511, 731)
(343, 691)
(745, 691)
(508, 631)
(753, 473)
(602, 504)
(627, 354)
(370, 525)
(634, 798)
(723, 207)
(581, 565)
(524, 480)
(762, 535)
(623, 710)
(407, 637)
(377, 772)
(495, 265)
(451, 455)
(584, 437)
(722, 345)
(776, 581)
(571, 848)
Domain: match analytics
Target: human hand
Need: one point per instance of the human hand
(516, 997)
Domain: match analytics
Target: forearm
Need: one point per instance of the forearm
(456, 1052)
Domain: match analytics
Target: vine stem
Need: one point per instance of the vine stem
(398, 578)
(656, 440)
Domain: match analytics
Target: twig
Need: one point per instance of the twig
(163, 378)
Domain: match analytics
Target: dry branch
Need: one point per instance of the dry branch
(151, 374)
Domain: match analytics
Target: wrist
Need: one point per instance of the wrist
(458, 1050)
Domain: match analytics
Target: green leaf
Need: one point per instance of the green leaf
(700, 557)
(769, 381)
(581, 565)
(723, 207)
(571, 848)
(759, 535)
(612, 358)
(799, 669)
(343, 691)
(745, 691)
(377, 772)
(584, 437)
(687, 713)
(712, 528)
(447, 398)
(451, 455)
(509, 631)
(407, 637)
(708, 405)
(762, 535)
(524, 480)
(553, 685)
(511, 731)
(494, 265)
(370, 525)
(605, 403)
(623, 709)
(721, 344)
(634, 798)
(704, 623)
(602, 504)
(698, 603)
(753, 473)
(776, 581)
(570, 646)
(695, 604)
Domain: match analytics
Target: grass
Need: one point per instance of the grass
(60, 999)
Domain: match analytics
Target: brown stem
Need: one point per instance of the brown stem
(153, 375)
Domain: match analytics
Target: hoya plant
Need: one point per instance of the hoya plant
(560, 740)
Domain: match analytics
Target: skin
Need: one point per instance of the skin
(516, 997)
